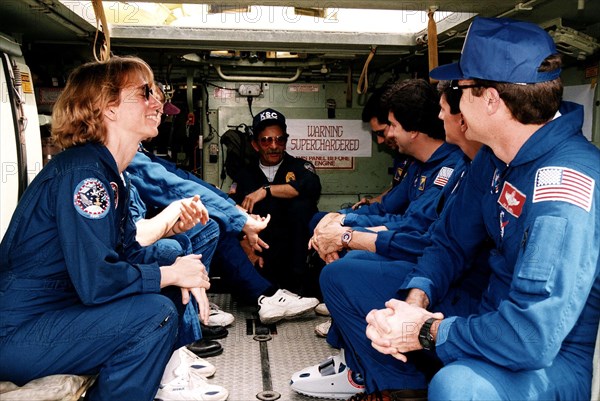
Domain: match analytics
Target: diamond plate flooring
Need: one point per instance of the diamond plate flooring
(293, 346)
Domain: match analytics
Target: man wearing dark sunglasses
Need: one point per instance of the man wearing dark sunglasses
(531, 194)
(288, 189)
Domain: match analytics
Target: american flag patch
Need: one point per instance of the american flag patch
(563, 184)
(443, 176)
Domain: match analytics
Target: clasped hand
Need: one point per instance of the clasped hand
(192, 278)
(395, 330)
(326, 239)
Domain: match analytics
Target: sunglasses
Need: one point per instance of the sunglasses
(455, 86)
(147, 91)
(268, 140)
(380, 133)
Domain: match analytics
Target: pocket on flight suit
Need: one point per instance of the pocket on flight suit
(541, 248)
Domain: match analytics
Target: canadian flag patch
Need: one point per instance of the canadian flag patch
(511, 199)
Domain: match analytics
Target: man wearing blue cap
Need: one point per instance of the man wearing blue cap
(288, 189)
(531, 192)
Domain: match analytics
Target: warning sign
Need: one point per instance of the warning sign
(331, 162)
(344, 138)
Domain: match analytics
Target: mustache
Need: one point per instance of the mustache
(274, 152)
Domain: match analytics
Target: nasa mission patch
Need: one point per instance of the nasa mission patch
(91, 199)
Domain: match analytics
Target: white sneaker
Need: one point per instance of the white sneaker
(219, 317)
(331, 379)
(322, 329)
(322, 310)
(185, 379)
(181, 389)
(184, 363)
(283, 305)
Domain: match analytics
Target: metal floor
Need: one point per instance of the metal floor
(293, 346)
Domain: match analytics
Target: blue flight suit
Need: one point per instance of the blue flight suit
(406, 241)
(408, 209)
(148, 174)
(364, 280)
(534, 334)
(159, 183)
(74, 295)
(401, 163)
(199, 240)
(423, 182)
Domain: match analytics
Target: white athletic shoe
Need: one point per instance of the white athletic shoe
(284, 305)
(331, 379)
(184, 363)
(181, 389)
(185, 379)
(322, 310)
(219, 317)
(322, 329)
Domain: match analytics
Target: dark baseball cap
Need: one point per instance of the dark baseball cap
(267, 118)
(502, 50)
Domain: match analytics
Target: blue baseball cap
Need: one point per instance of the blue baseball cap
(267, 118)
(502, 50)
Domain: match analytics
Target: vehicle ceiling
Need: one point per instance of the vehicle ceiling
(57, 37)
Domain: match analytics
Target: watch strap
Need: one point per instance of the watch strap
(268, 189)
(425, 337)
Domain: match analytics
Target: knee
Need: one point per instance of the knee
(213, 227)
(460, 381)
(167, 250)
(333, 276)
(204, 238)
(150, 307)
(204, 232)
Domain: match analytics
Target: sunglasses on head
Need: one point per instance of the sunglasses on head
(268, 140)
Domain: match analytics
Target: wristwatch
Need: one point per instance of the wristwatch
(346, 238)
(268, 189)
(425, 337)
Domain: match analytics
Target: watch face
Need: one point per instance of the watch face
(426, 343)
(346, 238)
